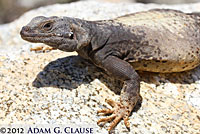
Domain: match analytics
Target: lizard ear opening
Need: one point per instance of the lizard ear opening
(71, 35)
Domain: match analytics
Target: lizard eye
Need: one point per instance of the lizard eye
(47, 26)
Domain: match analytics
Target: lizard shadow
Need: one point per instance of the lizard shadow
(186, 77)
(72, 71)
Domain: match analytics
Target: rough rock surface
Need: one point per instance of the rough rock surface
(61, 88)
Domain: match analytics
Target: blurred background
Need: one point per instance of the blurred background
(12, 9)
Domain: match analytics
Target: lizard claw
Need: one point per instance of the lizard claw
(118, 112)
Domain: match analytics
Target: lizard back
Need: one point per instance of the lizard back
(172, 40)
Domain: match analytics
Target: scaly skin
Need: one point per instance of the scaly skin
(160, 40)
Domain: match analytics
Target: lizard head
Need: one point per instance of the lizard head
(63, 33)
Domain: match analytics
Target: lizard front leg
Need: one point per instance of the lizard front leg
(123, 71)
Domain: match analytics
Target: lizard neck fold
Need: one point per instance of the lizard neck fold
(97, 36)
(100, 33)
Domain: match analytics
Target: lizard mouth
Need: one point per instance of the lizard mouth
(26, 34)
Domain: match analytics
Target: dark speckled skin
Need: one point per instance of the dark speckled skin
(171, 41)
(159, 40)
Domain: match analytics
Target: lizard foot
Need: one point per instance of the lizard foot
(42, 48)
(118, 112)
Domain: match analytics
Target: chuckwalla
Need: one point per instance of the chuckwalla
(158, 40)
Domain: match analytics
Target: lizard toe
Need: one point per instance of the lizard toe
(105, 111)
(106, 119)
(114, 122)
(108, 111)
(42, 49)
(126, 122)
(111, 102)
(118, 112)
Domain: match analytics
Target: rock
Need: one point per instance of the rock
(168, 1)
(61, 88)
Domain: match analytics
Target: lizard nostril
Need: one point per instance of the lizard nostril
(25, 28)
